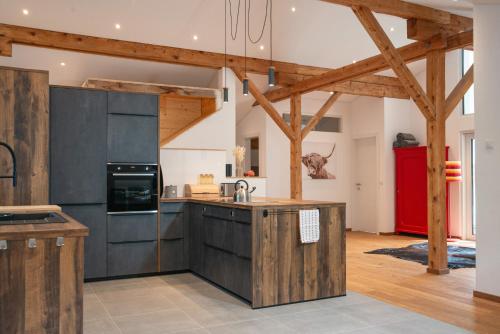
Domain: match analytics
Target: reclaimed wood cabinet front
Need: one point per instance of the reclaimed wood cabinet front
(41, 289)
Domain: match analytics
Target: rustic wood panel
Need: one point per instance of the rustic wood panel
(296, 147)
(24, 126)
(284, 270)
(180, 113)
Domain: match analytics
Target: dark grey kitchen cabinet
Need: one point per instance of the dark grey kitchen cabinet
(173, 244)
(94, 217)
(131, 258)
(132, 138)
(132, 103)
(132, 227)
(78, 150)
(196, 240)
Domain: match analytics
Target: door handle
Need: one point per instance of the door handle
(358, 184)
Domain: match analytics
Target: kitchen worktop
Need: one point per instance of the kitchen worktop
(71, 228)
(256, 202)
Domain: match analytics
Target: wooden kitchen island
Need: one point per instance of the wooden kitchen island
(254, 249)
(41, 274)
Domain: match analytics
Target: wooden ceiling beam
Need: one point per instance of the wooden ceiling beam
(457, 94)
(394, 59)
(320, 114)
(266, 105)
(5, 47)
(422, 30)
(409, 53)
(409, 10)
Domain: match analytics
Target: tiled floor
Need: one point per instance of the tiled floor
(184, 303)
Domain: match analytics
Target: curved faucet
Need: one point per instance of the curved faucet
(14, 172)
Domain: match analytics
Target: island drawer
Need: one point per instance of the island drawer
(132, 227)
(171, 225)
(172, 207)
(218, 233)
(244, 216)
(219, 212)
(242, 244)
(131, 258)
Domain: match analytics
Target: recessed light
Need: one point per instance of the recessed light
(195, 37)
(392, 29)
(62, 63)
(118, 26)
(354, 61)
(26, 12)
(262, 47)
(293, 9)
(331, 93)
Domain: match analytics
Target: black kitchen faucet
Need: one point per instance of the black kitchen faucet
(14, 173)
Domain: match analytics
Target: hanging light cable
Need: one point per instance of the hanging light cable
(225, 89)
(245, 80)
(271, 76)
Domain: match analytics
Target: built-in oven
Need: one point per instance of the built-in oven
(132, 188)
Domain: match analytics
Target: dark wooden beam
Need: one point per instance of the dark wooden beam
(409, 53)
(457, 94)
(296, 147)
(409, 10)
(394, 59)
(436, 166)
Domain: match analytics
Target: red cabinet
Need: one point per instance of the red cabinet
(411, 190)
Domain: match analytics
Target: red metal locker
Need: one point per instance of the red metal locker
(411, 190)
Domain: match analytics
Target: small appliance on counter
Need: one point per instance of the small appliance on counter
(201, 190)
(170, 192)
(242, 194)
(227, 189)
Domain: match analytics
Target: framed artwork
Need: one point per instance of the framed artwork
(319, 161)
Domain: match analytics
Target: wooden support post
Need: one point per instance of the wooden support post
(436, 165)
(296, 147)
(5, 47)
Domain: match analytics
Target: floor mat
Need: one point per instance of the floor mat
(458, 257)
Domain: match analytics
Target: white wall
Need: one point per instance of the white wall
(486, 84)
(275, 152)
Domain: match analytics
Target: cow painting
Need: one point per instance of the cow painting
(316, 165)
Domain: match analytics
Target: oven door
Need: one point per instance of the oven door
(132, 192)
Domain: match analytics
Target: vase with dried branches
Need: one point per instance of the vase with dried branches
(239, 156)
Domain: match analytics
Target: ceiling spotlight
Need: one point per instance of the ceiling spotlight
(262, 47)
(392, 29)
(26, 12)
(118, 26)
(63, 63)
(354, 61)
(293, 9)
(195, 37)
(331, 93)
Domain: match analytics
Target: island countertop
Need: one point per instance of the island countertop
(257, 202)
(71, 228)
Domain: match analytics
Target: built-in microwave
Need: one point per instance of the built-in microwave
(132, 188)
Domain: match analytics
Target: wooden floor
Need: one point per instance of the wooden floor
(404, 283)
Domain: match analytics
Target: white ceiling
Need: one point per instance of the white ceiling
(317, 33)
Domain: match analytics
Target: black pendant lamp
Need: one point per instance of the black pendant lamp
(225, 90)
(271, 76)
(245, 79)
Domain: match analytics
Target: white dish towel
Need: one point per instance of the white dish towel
(309, 226)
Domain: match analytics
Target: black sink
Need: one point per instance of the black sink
(31, 218)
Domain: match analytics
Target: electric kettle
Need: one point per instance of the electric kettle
(241, 194)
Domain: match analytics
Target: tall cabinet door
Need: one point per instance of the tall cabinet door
(78, 125)
(94, 217)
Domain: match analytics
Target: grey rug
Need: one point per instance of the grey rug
(458, 257)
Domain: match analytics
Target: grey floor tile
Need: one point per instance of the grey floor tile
(291, 308)
(213, 315)
(253, 326)
(137, 305)
(101, 326)
(321, 321)
(194, 331)
(93, 309)
(168, 321)
(376, 313)
(422, 325)
(114, 284)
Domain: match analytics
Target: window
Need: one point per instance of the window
(326, 124)
(468, 101)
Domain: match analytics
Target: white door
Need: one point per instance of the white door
(468, 172)
(365, 185)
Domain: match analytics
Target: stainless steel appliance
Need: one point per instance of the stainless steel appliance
(227, 189)
(132, 188)
(242, 194)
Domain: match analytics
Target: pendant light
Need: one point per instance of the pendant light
(271, 76)
(225, 89)
(245, 80)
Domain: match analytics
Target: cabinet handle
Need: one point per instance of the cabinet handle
(3, 244)
(232, 213)
(31, 243)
